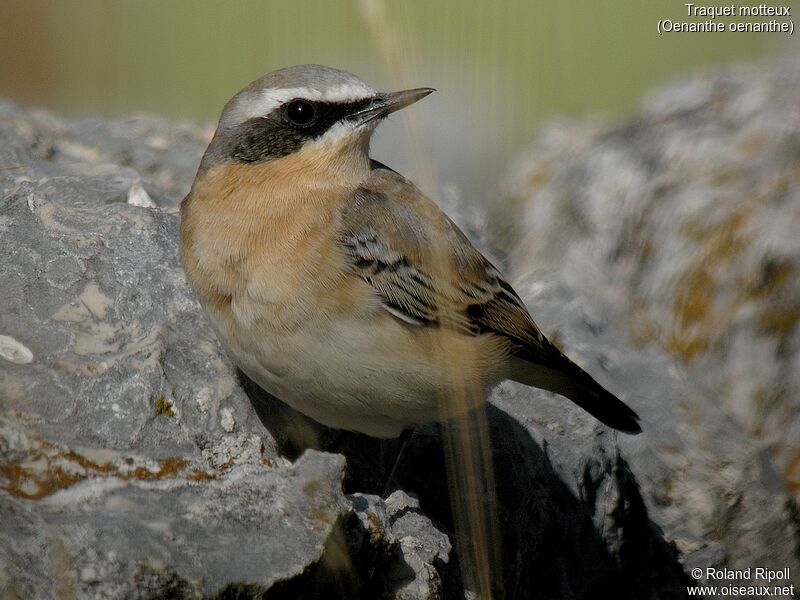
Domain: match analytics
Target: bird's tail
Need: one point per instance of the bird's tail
(569, 380)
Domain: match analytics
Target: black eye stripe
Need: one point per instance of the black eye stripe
(276, 135)
(327, 113)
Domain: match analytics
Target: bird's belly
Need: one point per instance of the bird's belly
(368, 373)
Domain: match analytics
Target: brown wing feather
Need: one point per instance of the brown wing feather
(426, 271)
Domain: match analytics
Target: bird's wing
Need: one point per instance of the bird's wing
(426, 272)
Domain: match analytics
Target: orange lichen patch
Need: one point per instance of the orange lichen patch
(687, 347)
(699, 319)
(752, 145)
(778, 310)
(47, 470)
(695, 303)
(779, 321)
(26, 483)
(791, 474)
(722, 240)
(35, 484)
(89, 465)
(61, 479)
(168, 469)
(643, 328)
(200, 475)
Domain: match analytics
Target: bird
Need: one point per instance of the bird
(340, 288)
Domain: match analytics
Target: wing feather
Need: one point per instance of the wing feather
(426, 272)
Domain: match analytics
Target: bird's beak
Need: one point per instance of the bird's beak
(383, 104)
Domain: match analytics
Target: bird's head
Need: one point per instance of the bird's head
(316, 114)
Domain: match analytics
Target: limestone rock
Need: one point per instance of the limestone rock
(683, 221)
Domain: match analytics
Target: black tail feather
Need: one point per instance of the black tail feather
(603, 405)
(567, 379)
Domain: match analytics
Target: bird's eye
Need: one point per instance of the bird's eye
(300, 112)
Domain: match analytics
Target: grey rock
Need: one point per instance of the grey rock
(120, 537)
(673, 235)
(425, 550)
(710, 490)
(683, 221)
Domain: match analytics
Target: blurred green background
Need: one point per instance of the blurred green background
(500, 67)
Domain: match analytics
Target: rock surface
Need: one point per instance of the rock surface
(134, 463)
(684, 221)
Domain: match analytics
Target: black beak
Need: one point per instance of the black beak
(384, 104)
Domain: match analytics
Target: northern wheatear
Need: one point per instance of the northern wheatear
(340, 288)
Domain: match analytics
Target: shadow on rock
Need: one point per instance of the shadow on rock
(554, 544)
